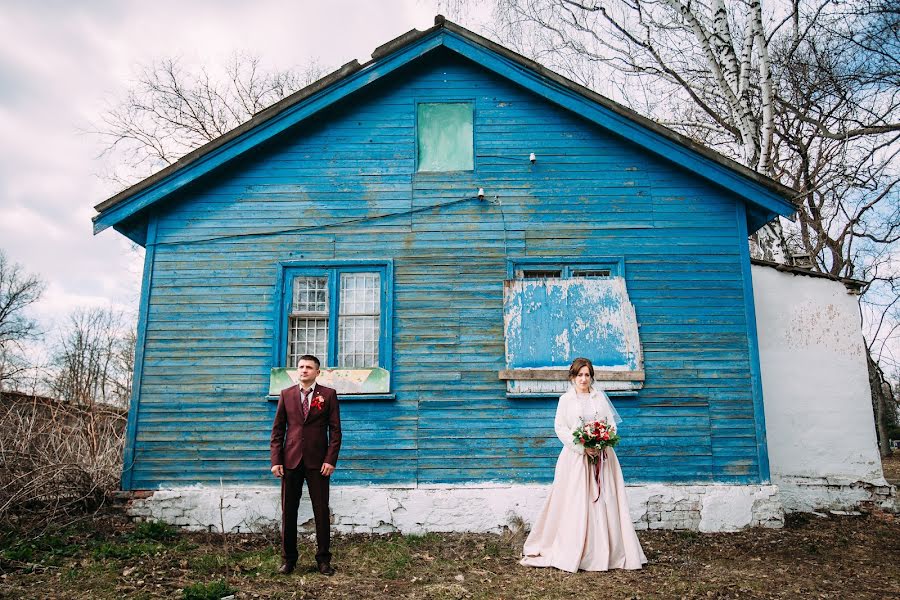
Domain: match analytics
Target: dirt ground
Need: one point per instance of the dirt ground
(107, 557)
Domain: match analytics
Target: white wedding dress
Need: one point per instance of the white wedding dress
(573, 531)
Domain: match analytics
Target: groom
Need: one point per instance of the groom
(306, 438)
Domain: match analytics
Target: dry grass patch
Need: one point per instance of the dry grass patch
(813, 557)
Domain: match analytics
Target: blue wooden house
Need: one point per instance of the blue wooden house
(447, 226)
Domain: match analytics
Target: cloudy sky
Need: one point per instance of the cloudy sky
(63, 62)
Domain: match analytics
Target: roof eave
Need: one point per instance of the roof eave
(770, 196)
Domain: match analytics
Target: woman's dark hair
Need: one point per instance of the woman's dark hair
(578, 364)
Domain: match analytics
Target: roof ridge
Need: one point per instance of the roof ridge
(547, 77)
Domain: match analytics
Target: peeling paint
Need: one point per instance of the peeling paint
(476, 508)
(549, 322)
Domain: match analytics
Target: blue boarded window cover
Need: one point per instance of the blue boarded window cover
(548, 322)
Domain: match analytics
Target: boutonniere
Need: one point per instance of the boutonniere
(317, 402)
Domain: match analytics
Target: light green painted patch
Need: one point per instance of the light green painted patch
(345, 381)
(444, 140)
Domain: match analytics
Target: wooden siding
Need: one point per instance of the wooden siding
(343, 185)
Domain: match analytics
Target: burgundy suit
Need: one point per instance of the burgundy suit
(302, 446)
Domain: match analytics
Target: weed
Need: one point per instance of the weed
(494, 547)
(256, 561)
(389, 556)
(688, 535)
(126, 550)
(210, 563)
(416, 541)
(20, 554)
(71, 575)
(46, 549)
(207, 591)
(154, 530)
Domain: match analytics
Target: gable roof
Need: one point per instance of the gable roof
(765, 197)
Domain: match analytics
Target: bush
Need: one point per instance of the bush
(56, 459)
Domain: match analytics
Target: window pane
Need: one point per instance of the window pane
(360, 294)
(358, 342)
(360, 315)
(591, 273)
(444, 137)
(542, 274)
(310, 295)
(307, 336)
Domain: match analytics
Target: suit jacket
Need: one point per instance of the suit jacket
(313, 442)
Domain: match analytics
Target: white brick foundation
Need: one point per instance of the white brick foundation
(805, 494)
(483, 508)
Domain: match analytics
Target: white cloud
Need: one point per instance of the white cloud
(62, 62)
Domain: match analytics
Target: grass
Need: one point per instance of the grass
(207, 591)
(830, 557)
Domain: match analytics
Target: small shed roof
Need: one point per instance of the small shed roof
(765, 197)
(853, 285)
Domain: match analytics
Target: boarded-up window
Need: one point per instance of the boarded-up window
(551, 321)
(444, 137)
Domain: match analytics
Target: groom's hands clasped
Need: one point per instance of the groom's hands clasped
(327, 469)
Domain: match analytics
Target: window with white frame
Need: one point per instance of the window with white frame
(336, 313)
(308, 321)
(359, 321)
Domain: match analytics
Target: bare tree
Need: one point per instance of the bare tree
(171, 110)
(805, 92)
(93, 359)
(18, 291)
(91, 369)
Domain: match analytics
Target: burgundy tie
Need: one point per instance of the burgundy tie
(304, 402)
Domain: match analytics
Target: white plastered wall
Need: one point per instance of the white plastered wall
(819, 424)
(473, 508)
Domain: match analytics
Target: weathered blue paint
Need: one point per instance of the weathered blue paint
(770, 204)
(759, 412)
(550, 321)
(630, 130)
(343, 187)
(140, 343)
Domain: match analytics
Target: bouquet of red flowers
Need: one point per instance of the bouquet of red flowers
(596, 434)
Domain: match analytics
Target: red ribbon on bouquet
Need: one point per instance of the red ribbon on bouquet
(598, 469)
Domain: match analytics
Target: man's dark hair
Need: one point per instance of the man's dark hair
(312, 358)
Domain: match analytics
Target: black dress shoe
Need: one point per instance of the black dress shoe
(286, 568)
(326, 569)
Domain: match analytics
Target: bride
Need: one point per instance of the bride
(578, 527)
